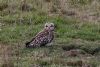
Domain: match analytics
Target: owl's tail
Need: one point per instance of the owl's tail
(27, 44)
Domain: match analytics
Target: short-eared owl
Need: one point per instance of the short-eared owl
(44, 37)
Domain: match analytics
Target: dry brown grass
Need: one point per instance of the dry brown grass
(89, 12)
(6, 56)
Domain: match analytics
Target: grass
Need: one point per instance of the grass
(18, 27)
(66, 31)
(17, 32)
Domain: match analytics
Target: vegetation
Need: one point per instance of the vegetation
(21, 20)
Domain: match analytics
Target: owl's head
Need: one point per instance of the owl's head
(49, 26)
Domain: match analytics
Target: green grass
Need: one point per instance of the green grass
(65, 33)
(64, 29)
(19, 27)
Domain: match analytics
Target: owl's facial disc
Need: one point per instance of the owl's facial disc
(49, 26)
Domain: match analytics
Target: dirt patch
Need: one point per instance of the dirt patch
(6, 55)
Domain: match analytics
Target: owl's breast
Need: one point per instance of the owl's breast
(50, 37)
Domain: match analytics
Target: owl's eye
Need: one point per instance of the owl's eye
(51, 26)
(46, 26)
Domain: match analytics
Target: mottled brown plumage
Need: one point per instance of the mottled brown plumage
(42, 38)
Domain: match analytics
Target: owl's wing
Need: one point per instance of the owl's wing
(38, 39)
(42, 34)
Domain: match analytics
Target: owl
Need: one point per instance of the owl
(44, 37)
